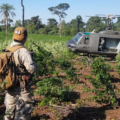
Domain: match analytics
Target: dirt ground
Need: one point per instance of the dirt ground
(81, 106)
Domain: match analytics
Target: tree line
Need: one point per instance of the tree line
(54, 27)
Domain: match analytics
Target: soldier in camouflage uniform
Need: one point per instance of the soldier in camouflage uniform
(102, 44)
(18, 101)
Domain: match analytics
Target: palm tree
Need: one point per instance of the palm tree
(6, 10)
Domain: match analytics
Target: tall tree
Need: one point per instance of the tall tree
(6, 10)
(77, 23)
(52, 22)
(18, 23)
(73, 23)
(116, 25)
(4, 21)
(60, 11)
(95, 23)
(26, 22)
(36, 20)
(80, 22)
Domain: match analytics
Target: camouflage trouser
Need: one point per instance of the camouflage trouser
(101, 47)
(18, 104)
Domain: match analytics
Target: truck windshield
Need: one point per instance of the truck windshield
(77, 37)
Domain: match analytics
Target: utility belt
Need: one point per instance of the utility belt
(24, 80)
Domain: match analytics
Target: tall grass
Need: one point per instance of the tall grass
(54, 44)
(3, 36)
(37, 37)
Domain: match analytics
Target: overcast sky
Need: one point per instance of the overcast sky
(77, 7)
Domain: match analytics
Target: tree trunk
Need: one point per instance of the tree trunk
(78, 27)
(6, 28)
(60, 27)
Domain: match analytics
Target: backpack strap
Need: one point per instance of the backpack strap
(13, 49)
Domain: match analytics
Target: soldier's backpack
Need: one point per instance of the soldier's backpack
(8, 68)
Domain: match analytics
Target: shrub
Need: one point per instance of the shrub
(71, 76)
(105, 92)
(118, 68)
(44, 61)
(73, 31)
(98, 66)
(118, 57)
(53, 91)
(64, 64)
(53, 32)
(66, 32)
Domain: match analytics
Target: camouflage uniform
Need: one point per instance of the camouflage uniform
(18, 104)
(19, 101)
(101, 44)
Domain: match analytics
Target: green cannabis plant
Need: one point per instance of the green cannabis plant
(118, 68)
(103, 88)
(53, 91)
(71, 76)
(44, 61)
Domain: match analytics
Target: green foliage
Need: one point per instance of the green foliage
(118, 68)
(11, 29)
(85, 89)
(35, 20)
(33, 25)
(18, 23)
(64, 64)
(3, 45)
(73, 31)
(109, 67)
(44, 61)
(54, 44)
(67, 67)
(60, 11)
(118, 57)
(3, 37)
(105, 92)
(52, 22)
(98, 66)
(80, 22)
(88, 77)
(53, 91)
(45, 30)
(2, 28)
(53, 32)
(6, 10)
(83, 60)
(31, 28)
(46, 64)
(71, 76)
(66, 32)
(55, 73)
(77, 24)
(58, 49)
(95, 23)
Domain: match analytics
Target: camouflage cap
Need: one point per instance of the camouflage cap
(20, 33)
